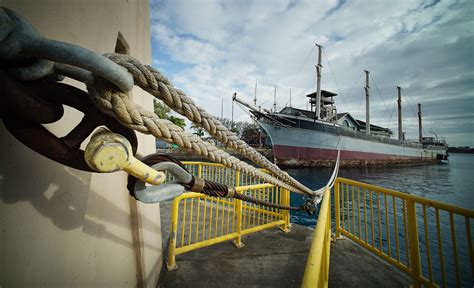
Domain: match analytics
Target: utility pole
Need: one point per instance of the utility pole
(275, 100)
(318, 83)
(367, 103)
(232, 119)
(420, 133)
(290, 97)
(222, 108)
(399, 101)
(255, 94)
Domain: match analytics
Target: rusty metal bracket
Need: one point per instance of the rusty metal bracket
(25, 106)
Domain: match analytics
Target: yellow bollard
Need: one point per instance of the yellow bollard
(108, 152)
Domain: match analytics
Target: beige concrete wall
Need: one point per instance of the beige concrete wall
(62, 227)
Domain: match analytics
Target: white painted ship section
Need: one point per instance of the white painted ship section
(304, 138)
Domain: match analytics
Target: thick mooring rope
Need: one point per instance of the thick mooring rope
(116, 103)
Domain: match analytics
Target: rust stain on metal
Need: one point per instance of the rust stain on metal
(352, 163)
(26, 106)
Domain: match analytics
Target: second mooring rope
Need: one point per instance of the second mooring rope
(117, 104)
(152, 81)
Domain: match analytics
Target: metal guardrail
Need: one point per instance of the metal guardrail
(385, 222)
(199, 220)
(316, 273)
(381, 220)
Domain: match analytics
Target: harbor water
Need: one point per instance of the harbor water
(452, 183)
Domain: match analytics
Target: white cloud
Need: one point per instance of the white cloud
(223, 46)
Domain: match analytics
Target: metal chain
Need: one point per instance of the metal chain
(21, 43)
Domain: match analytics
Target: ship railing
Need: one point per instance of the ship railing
(199, 221)
(429, 240)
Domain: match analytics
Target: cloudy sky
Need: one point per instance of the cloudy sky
(211, 49)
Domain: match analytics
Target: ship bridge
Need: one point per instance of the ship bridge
(328, 107)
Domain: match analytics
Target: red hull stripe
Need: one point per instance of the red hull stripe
(305, 153)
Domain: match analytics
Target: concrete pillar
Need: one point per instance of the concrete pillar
(63, 227)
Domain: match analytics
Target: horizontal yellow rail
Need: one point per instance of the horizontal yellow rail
(199, 221)
(421, 200)
(316, 273)
(199, 163)
(385, 222)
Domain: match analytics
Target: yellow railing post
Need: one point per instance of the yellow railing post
(286, 214)
(199, 171)
(171, 262)
(337, 217)
(238, 241)
(413, 243)
(238, 208)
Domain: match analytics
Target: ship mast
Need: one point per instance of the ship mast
(399, 101)
(255, 101)
(318, 83)
(222, 108)
(367, 103)
(420, 134)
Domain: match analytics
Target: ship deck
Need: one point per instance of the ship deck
(273, 258)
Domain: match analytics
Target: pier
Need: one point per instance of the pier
(272, 258)
(365, 236)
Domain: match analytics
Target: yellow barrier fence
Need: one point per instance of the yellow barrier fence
(199, 220)
(407, 232)
(316, 273)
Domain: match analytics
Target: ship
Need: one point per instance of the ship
(313, 137)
